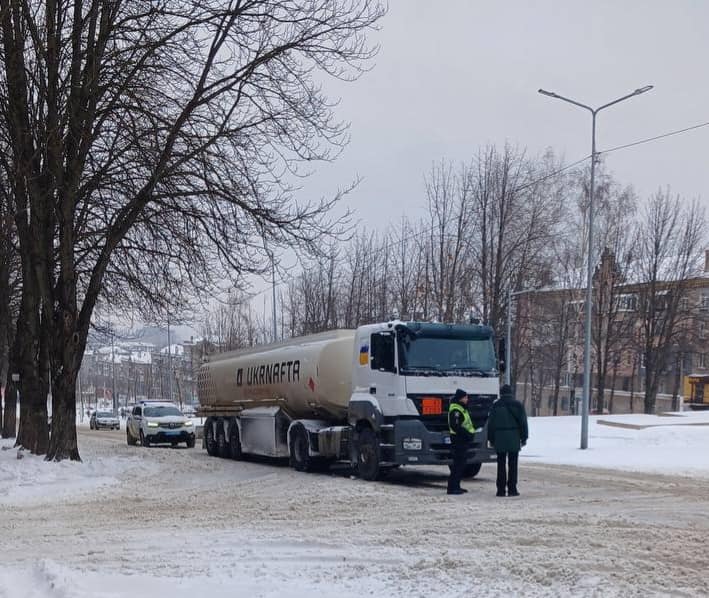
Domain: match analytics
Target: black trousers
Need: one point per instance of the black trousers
(507, 479)
(458, 451)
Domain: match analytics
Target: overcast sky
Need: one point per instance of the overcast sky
(453, 75)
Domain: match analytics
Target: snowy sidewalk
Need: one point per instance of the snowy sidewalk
(670, 444)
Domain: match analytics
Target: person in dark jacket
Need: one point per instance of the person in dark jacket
(461, 430)
(507, 432)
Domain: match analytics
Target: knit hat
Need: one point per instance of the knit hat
(459, 394)
(506, 390)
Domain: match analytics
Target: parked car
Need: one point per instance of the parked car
(104, 419)
(152, 422)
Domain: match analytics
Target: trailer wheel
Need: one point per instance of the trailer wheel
(222, 444)
(234, 440)
(209, 440)
(368, 455)
(300, 459)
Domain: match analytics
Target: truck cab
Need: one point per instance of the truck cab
(404, 376)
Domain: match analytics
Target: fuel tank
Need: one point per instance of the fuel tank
(310, 376)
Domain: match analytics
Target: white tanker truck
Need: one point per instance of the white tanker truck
(376, 397)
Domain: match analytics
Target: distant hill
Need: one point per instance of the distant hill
(155, 335)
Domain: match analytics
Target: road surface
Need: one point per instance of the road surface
(574, 531)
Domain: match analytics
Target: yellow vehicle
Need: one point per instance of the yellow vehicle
(696, 391)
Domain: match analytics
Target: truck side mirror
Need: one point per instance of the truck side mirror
(501, 354)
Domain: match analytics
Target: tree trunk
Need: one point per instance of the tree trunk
(632, 384)
(651, 384)
(614, 375)
(676, 386)
(31, 361)
(63, 444)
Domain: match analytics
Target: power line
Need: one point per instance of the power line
(425, 231)
(649, 139)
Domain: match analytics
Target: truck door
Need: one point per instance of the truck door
(383, 366)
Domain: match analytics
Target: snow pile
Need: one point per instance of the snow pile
(51, 580)
(669, 444)
(27, 478)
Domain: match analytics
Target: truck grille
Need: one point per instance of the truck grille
(171, 425)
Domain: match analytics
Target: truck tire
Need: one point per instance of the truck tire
(130, 439)
(368, 455)
(222, 444)
(209, 441)
(143, 440)
(299, 449)
(470, 470)
(234, 440)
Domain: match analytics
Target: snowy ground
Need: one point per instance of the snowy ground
(144, 522)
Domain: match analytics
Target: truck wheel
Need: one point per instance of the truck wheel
(222, 445)
(190, 442)
(143, 440)
(209, 440)
(129, 438)
(234, 441)
(368, 455)
(470, 470)
(300, 459)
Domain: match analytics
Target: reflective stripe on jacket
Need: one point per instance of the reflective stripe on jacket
(467, 421)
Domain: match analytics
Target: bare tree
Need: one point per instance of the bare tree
(118, 112)
(671, 237)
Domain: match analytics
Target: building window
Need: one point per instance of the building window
(704, 302)
(702, 360)
(702, 330)
(684, 304)
(661, 300)
(627, 302)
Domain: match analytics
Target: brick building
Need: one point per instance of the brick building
(548, 341)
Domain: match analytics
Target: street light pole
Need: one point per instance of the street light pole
(589, 268)
(113, 372)
(169, 361)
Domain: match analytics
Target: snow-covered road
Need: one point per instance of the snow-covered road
(145, 522)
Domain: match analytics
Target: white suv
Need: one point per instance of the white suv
(156, 422)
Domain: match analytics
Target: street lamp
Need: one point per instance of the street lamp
(589, 270)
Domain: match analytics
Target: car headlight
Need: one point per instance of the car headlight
(153, 424)
(187, 423)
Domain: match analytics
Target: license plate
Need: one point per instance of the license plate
(172, 432)
(412, 444)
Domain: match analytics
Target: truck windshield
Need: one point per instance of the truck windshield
(444, 355)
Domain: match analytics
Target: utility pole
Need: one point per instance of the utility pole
(113, 373)
(169, 360)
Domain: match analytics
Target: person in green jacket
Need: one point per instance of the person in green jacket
(507, 432)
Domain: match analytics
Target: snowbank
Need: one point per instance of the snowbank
(669, 444)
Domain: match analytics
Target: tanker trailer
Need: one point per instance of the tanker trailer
(376, 397)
